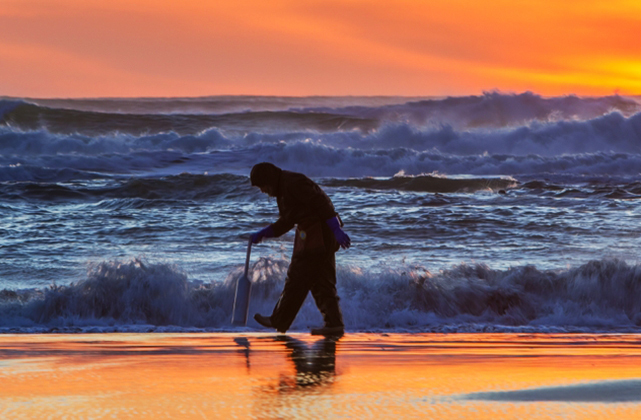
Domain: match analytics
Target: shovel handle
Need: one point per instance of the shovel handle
(249, 251)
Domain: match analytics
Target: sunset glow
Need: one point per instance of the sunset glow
(74, 48)
(404, 376)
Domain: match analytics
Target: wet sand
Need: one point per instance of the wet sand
(227, 375)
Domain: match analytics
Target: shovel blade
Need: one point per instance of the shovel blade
(241, 301)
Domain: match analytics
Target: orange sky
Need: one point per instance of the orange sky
(88, 48)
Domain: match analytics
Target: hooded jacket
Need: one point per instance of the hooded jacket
(301, 203)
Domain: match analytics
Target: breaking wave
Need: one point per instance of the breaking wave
(608, 133)
(493, 123)
(191, 115)
(172, 188)
(149, 192)
(494, 110)
(30, 117)
(602, 295)
(526, 135)
(587, 150)
(426, 183)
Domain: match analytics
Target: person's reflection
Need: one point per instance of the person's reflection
(315, 365)
(315, 370)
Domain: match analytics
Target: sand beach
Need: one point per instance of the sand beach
(362, 375)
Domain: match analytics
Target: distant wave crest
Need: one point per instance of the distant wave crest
(491, 110)
(612, 132)
(31, 117)
(492, 134)
(494, 110)
(426, 183)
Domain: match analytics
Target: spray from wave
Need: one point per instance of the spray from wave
(602, 295)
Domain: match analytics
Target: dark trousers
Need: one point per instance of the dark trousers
(315, 273)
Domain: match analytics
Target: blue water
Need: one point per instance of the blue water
(493, 212)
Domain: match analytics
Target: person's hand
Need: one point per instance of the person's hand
(341, 237)
(257, 237)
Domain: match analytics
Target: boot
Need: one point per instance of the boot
(329, 331)
(266, 321)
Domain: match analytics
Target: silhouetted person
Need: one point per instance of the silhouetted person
(302, 203)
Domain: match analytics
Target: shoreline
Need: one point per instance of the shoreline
(362, 375)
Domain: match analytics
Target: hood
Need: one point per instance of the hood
(265, 174)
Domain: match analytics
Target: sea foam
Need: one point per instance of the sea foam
(602, 295)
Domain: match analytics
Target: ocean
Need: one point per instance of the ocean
(498, 212)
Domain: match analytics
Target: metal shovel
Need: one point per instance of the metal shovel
(243, 289)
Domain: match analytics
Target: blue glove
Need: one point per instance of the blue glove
(341, 237)
(267, 232)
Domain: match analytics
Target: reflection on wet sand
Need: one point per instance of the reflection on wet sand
(224, 375)
(315, 365)
(310, 374)
(244, 343)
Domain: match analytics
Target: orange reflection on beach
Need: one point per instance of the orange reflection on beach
(358, 376)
